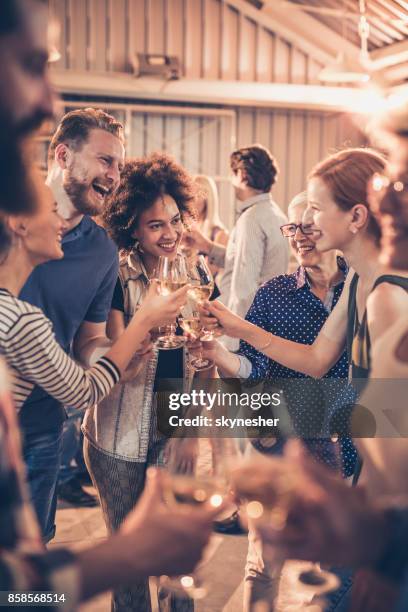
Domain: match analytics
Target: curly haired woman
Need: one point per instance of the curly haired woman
(145, 219)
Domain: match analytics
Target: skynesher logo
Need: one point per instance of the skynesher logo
(255, 401)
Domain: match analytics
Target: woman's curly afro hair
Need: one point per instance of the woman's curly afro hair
(143, 181)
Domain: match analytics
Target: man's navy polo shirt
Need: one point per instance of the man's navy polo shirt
(71, 290)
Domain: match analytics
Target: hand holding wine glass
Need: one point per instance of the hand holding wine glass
(188, 484)
(162, 307)
(171, 275)
(201, 288)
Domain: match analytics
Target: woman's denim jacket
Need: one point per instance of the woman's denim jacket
(123, 425)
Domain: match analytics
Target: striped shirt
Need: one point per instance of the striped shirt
(34, 357)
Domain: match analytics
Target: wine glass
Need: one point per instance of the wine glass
(202, 287)
(171, 274)
(190, 483)
(272, 510)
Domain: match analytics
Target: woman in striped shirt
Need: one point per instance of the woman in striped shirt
(26, 337)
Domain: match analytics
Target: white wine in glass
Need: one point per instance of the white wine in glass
(192, 325)
(202, 287)
(192, 483)
(171, 274)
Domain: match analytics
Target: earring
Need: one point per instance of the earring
(354, 230)
(137, 247)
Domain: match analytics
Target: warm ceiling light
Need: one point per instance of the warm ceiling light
(53, 54)
(344, 70)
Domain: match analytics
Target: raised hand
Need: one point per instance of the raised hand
(162, 309)
(218, 317)
(327, 521)
(168, 540)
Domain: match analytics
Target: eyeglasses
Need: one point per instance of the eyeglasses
(290, 229)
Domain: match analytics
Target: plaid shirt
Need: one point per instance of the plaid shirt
(25, 564)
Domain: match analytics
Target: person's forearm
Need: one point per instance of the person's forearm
(216, 253)
(227, 363)
(89, 353)
(108, 566)
(299, 357)
(123, 350)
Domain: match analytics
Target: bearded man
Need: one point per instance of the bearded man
(85, 160)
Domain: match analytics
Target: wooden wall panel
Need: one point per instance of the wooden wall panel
(78, 35)
(211, 39)
(192, 145)
(155, 26)
(136, 146)
(175, 27)
(245, 127)
(119, 33)
(281, 61)
(312, 141)
(137, 27)
(298, 67)
(58, 11)
(229, 43)
(173, 136)
(264, 56)
(295, 170)
(154, 133)
(280, 150)
(98, 35)
(210, 145)
(193, 60)
(247, 49)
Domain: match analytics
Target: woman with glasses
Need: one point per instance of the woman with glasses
(373, 296)
(293, 306)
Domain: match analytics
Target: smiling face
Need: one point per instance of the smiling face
(92, 173)
(303, 247)
(332, 222)
(44, 229)
(160, 228)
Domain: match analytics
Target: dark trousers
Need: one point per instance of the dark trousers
(119, 484)
(42, 456)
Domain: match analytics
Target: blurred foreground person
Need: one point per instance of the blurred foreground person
(26, 96)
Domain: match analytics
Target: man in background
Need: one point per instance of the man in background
(256, 250)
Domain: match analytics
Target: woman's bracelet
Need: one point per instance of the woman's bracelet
(261, 349)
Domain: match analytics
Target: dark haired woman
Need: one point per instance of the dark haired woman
(145, 219)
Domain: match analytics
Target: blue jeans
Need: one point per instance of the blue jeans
(42, 455)
(72, 458)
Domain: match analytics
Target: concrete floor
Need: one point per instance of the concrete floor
(81, 527)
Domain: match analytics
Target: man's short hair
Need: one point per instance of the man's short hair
(75, 126)
(258, 166)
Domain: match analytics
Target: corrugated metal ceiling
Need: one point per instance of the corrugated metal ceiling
(388, 19)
